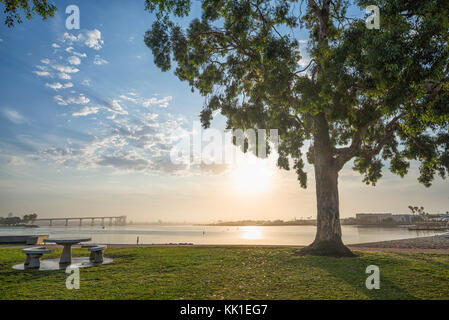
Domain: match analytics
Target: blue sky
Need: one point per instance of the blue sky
(70, 87)
(65, 91)
(86, 122)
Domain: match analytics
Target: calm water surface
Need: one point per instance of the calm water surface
(148, 234)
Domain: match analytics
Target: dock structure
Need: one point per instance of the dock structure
(430, 225)
(113, 220)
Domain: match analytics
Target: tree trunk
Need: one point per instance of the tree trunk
(328, 236)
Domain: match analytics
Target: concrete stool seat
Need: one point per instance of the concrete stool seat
(96, 252)
(32, 260)
(89, 245)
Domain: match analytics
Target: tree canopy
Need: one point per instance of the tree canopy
(10, 220)
(379, 95)
(15, 10)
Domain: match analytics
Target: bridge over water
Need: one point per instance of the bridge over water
(113, 220)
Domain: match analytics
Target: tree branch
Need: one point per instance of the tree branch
(264, 20)
(355, 149)
(299, 71)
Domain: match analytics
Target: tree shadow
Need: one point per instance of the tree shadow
(30, 273)
(428, 258)
(352, 271)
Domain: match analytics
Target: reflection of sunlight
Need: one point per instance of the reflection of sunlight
(252, 175)
(252, 233)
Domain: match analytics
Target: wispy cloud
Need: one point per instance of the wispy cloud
(57, 85)
(14, 116)
(99, 61)
(64, 76)
(65, 69)
(85, 111)
(81, 55)
(147, 102)
(130, 145)
(74, 60)
(125, 162)
(115, 107)
(93, 39)
(12, 160)
(81, 99)
(60, 100)
(163, 102)
(125, 97)
(90, 38)
(42, 73)
(122, 141)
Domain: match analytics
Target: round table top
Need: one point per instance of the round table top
(67, 240)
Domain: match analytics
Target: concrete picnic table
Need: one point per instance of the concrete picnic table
(66, 256)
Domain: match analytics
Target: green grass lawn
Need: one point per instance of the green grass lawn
(231, 273)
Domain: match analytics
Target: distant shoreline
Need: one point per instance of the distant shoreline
(19, 226)
(289, 223)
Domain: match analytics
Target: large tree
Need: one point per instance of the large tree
(367, 96)
(15, 10)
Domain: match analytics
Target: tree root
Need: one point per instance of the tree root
(326, 248)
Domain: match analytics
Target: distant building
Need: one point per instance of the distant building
(382, 218)
(403, 218)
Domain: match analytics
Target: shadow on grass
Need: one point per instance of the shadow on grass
(125, 256)
(352, 271)
(430, 258)
(31, 274)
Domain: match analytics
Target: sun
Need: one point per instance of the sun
(252, 175)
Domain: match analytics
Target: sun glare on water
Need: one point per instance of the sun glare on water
(252, 233)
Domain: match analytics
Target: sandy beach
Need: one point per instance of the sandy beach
(438, 243)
